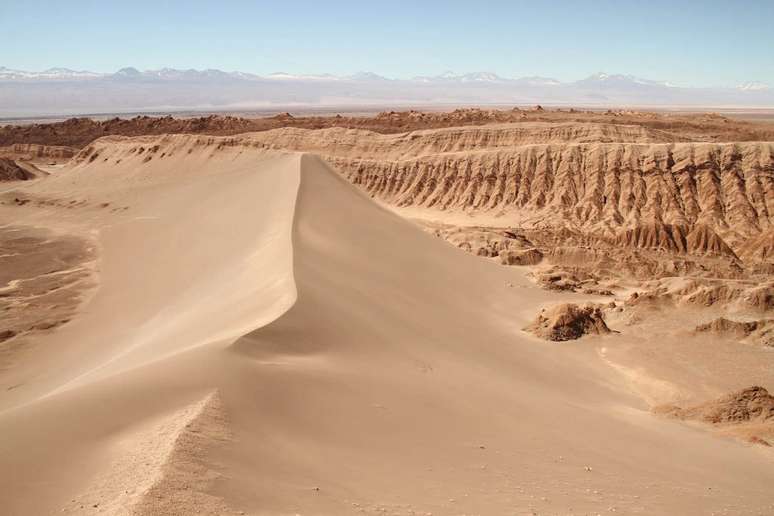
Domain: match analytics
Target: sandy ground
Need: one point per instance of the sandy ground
(265, 339)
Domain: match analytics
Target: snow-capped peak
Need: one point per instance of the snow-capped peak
(621, 79)
(128, 72)
(538, 81)
(467, 77)
(366, 76)
(480, 77)
(753, 86)
(283, 76)
(51, 73)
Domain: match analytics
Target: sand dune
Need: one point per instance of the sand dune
(265, 338)
(616, 185)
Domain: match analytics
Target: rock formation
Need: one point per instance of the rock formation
(569, 322)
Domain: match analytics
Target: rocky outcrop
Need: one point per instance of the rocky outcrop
(569, 322)
(750, 404)
(32, 152)
(521, 257)
(481, 241)
(755, 332)
(736, 328)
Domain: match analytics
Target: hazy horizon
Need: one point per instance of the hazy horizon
(61, 92)
(690, 44)
(480, 75)
(170, 56)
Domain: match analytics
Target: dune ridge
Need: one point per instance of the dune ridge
(163, 310)
(152, 462)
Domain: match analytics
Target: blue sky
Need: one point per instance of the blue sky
(691, 43)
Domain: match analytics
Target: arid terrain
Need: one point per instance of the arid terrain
(524, 311)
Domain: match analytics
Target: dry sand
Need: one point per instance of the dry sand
(265, 339)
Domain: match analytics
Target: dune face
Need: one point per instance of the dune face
(260, 337)
(45, 277)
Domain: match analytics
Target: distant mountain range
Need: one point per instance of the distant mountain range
(61, 91)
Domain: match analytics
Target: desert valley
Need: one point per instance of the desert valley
(515, 311)
(429, 258)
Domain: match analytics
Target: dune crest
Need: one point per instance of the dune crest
(154, 463)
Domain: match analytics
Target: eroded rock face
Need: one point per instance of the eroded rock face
(487, 242)
(35, 152)
(709, 292)
(569, 322)
(521, 257)
(678, 197)
(569, 280)
(12, 171)
(756, 332)
(691, 199)
(727, 326)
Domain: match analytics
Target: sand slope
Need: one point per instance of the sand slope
(360, 365)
